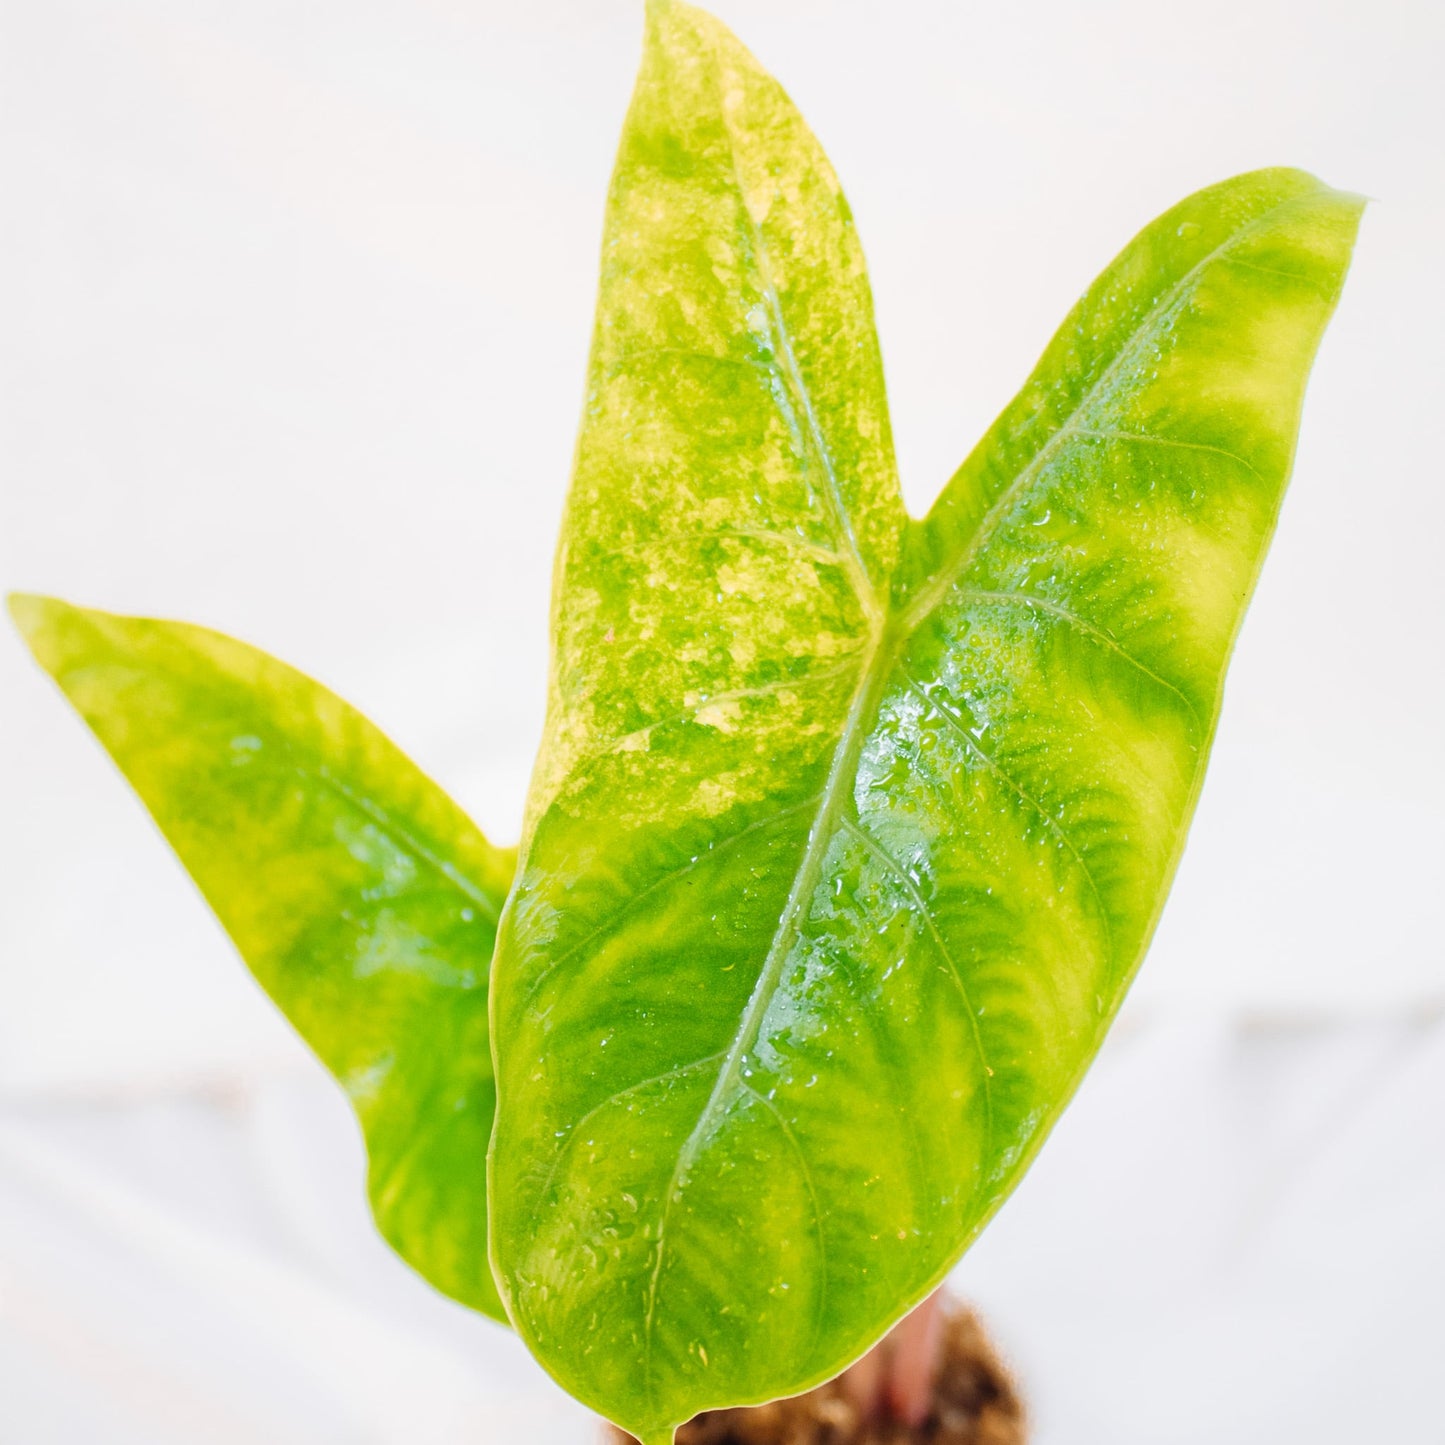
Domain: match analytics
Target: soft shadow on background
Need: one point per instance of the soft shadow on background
(293, 317)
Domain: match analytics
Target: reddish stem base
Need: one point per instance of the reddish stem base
(936, 1380)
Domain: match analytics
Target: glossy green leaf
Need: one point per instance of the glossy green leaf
(848, 832)
(363, 900)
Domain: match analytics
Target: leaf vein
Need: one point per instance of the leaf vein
(671, 876)
(614, 1098)
(985, 1072)
(805, 1169)
(957, 724)
(1066, 614)
(1173, 443)
(791, 375)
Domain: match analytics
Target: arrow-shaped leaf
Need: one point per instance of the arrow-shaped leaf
(363, 900)
(848, 833)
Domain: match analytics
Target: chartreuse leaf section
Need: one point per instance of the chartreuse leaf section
(848, 832)
(361, 898)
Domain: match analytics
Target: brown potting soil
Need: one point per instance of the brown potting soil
(975, 1403)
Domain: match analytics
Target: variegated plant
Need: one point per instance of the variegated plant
(848, 830)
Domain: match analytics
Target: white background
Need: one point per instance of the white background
(294, 306)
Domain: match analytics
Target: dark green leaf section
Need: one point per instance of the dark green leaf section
(848, 832)
(361, 898)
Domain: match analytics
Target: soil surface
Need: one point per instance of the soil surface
(975, 1403)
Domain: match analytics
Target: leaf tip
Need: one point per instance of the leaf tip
(1355, 202)
(1348, 200)
(32, 613)
(665, 16)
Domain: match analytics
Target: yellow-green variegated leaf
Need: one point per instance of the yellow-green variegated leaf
(848, 832)
(362, 899)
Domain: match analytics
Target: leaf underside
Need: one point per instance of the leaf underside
(361, 898)
(849, 831)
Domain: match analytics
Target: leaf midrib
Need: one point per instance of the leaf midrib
(845, 758)
(877, 656)
(869, 599)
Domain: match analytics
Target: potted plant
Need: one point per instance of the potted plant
(848, 830)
